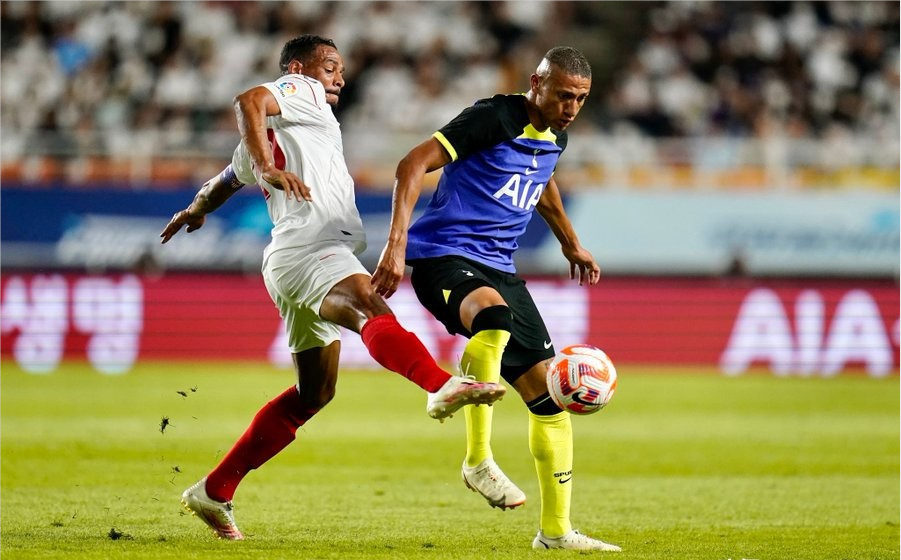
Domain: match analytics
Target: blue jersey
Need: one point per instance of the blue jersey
(486, 195)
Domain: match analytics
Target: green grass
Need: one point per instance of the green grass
(682, 465)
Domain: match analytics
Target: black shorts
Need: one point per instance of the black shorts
(441, 284)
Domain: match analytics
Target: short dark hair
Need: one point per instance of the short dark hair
(570, 60)
(301, 48)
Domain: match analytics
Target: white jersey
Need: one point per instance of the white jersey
(306, 141)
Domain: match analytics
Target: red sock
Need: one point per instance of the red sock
(271, 430)
(401, 351)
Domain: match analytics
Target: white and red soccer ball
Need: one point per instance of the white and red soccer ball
(581, 379)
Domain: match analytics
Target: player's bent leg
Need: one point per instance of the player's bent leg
(401, 351)
(353, 304)
(272, 429)
(482, 360)
(275, 426)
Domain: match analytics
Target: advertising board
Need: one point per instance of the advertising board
(803, 327)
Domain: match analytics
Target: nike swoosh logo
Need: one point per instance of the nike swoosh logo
(578, 398)
(547, 344)
(564, 480)
(531, 171)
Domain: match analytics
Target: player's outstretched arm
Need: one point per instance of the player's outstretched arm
(550, 207)
(211, 195)
(424, 158)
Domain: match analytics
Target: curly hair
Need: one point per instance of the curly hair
(301, 48)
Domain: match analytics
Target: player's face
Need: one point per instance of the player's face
(327, 66)
(559, 97)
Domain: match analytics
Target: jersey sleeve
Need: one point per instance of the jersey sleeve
(297, 96)
(242, 166)
(475, 128)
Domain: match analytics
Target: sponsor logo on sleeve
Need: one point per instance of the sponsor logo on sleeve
(286, 89)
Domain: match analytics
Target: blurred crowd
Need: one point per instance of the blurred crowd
(740, 68)
(101, 76)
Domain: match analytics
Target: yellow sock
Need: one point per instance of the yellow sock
(551, 444)
(482, 360)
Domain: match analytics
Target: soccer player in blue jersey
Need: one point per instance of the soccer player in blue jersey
(498, 158)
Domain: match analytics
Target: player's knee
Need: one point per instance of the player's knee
(315, 396)
(368, 306)
(496, 317)
(317, 399)
(376, 305)
(530, 381)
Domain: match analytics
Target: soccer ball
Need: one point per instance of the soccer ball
(581, 379)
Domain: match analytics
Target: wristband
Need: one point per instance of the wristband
(229, 177)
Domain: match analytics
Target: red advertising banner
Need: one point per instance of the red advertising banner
(792, 327)
(803, 327)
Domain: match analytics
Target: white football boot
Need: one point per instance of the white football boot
(218, 515)
(458, 392)
(573, 540)
(489, 480)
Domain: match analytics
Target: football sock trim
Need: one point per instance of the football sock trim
(543, 406)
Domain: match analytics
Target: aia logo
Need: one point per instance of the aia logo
(522, 194)
(803, 339)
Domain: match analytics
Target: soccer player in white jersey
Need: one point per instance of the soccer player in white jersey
(498, 158)
(291, 147)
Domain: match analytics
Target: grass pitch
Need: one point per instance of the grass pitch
(684, 464)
